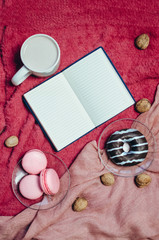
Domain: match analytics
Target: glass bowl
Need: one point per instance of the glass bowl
(126, 171)
(45, 201)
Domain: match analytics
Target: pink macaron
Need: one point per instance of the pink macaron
(34, 161)
(30, 188)
(49, 181)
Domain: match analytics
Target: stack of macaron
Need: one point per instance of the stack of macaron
(40, 179)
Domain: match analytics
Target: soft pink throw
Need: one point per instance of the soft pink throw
(120, 211)
(79, 27)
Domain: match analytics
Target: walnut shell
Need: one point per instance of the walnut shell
(79, 204)
(142, 180)
(12, 141)
(142, 41)
(107, 179)
(143, 105)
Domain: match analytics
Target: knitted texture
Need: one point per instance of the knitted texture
(79, 27)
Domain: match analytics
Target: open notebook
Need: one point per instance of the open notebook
(78, 99)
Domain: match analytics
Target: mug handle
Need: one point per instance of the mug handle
(20, 76)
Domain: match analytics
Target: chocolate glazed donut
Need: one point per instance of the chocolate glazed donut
(127, 147)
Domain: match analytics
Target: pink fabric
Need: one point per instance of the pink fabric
(120, 211)
(79, 27)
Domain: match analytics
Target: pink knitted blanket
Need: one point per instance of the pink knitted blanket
(79, 27)
(121, 211)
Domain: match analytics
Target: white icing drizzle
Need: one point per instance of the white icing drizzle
(130, 161)
(140, 144)
(125, 131)
(125, 140)
(136, 145)
(112, 149)
(130, 152)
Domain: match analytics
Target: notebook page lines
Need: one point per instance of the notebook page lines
(98, 87)
(59, 111)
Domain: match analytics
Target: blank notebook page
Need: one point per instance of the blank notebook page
(98, 87)
(59, 111)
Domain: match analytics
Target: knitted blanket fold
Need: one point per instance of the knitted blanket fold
(79, 27)
(120, 211)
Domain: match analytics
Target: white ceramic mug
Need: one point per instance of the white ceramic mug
(40, 55)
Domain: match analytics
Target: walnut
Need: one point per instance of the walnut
(107, 179)
(143, 105)
(79, 204)
(142, 41)
(142, 180)
(12, 141)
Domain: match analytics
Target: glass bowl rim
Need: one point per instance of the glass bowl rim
(99, 150)
(38, 204)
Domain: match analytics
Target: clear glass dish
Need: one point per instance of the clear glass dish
(46, 201)
(126, 171)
